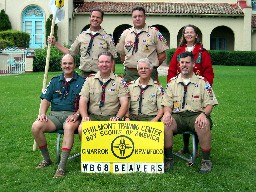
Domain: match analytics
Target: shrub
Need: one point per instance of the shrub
(5, 43)
(233, 58)
(228, 58)
(5, 23)
(39, 61)
(16, 38)
(48, 28)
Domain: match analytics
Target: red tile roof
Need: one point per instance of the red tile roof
(210, 9)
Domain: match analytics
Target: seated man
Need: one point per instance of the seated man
(62, 94)
(104, 96)
(188, 102)
(145, 101)
(145, 95)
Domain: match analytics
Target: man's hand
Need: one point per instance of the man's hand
(167, 119)
(72, 118)
(42, 118)
(87, 118)
(201, 121)
(116, 118)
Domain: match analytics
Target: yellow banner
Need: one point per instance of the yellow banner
(59, 3)
(126, 146)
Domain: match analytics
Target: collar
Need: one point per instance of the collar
(75, 76)
(97, 76)
(193, 79)
(150, 82)
(101, 31)
(145, 28)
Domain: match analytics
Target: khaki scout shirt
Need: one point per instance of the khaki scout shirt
(151, 43)
(199, 95)
(152, 97)
(114, 90)
(101, 43)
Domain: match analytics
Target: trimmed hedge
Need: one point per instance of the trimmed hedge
(5, 43)
(14, 38)
(228, 58)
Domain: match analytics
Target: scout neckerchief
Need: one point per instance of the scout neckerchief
(103, 86)
(90, 43)
(184, 95)
(65, 89)
(141, 93)
(136, 42)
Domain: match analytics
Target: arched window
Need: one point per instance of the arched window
(33, 23)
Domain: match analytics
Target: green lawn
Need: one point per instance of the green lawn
(233, 146)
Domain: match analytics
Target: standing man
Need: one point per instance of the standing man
(89, 44)
(141, 41)
(188, 102)
(104, 96)
(62, 94)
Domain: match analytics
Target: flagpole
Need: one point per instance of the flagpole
(46, 67)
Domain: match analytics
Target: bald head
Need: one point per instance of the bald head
(67, 57)
(67, 65)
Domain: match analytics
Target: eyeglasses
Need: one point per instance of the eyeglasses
(143, 68)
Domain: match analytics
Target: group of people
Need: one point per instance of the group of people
(185, 104)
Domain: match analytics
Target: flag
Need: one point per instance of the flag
(57, 8)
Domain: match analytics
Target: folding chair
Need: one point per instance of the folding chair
(192, 158)
(58, 145)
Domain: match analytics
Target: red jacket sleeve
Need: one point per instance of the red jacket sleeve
(207, 70)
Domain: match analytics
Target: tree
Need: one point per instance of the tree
(48, 28)
(5, 23)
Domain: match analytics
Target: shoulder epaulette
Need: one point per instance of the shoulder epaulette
(130, 82)
(152, 27)
(157, 82)
(201, 77)
(172, 79)
(119, 76)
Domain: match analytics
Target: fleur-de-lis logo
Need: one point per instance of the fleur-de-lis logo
(59, 3)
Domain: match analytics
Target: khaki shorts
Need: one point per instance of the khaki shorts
(59, 118)
(186, 121)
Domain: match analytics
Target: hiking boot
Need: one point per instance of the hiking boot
(43, 164)
(206, 166)
(59, 173)
(168, 164)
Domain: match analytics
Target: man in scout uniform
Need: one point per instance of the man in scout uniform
(89, 44)
(62, 94)
(145, 95)
(104, 96)
(188, 102)
(141, 41)
(145, 101)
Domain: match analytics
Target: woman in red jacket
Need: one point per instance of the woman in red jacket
(203, 65)
(191, 42)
